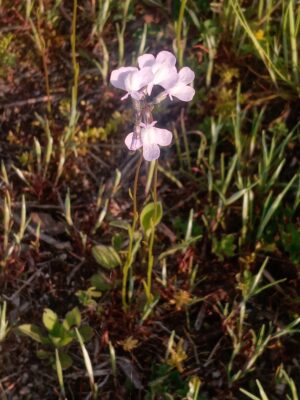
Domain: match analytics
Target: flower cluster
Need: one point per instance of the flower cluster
(138, 83)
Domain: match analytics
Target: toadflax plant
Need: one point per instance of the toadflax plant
(138, 84)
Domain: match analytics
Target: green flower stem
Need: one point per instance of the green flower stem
(131, 231)
(180, 46)
(135, 212)
(152, 235)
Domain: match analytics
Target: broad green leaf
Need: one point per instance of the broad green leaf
(65, 360)
(61, 341)
(43, 354)
(150, 215)
(100, 282)
(117, 241)
(106, 256)
(55, 340)
(73, 318)
(58, 330)
(34, 332)
(86, 332)
(49, 319)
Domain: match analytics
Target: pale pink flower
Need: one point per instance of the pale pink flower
(181, 88)
(162, 67)
(151, 138)
(131, 80)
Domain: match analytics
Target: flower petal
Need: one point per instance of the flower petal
(163, 137)
(182, 92)
(165, 57)
(149, 88)
(138, 79)
(118, 76)
(133, 142)
(148, 135)
(186, 75)
(146, 60)
(151, 152)
(165, 76)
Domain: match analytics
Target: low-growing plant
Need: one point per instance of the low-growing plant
(57, 335)
(235, 325)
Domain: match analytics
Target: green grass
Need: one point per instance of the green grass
(170, 280)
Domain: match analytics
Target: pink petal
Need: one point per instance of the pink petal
(183, 93)
(149, 88)
(118, 76)
(148, 135)
(186, 75)
(165, 76)
(138, 79)
(146, 60)
(132, 142)
(151, 152)
(165, 57)
(163, 137)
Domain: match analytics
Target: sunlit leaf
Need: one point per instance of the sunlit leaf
(106, 256)
(34, 332)
(151, 214)
(73, 318)
(49, 319)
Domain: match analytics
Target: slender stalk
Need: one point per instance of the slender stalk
(185, 140)
(179, 42)
(131, 234)
(45, 67)
(121, 31)
(152, 235)
(74, 113)
(73, 35)
(41, 46)
(293, 40)
(137, 172)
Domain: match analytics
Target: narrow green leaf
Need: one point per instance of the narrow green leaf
(178, 247)
(87, 362)
(250, 395)
(59, 373)
(120, 224)
(274, 207)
